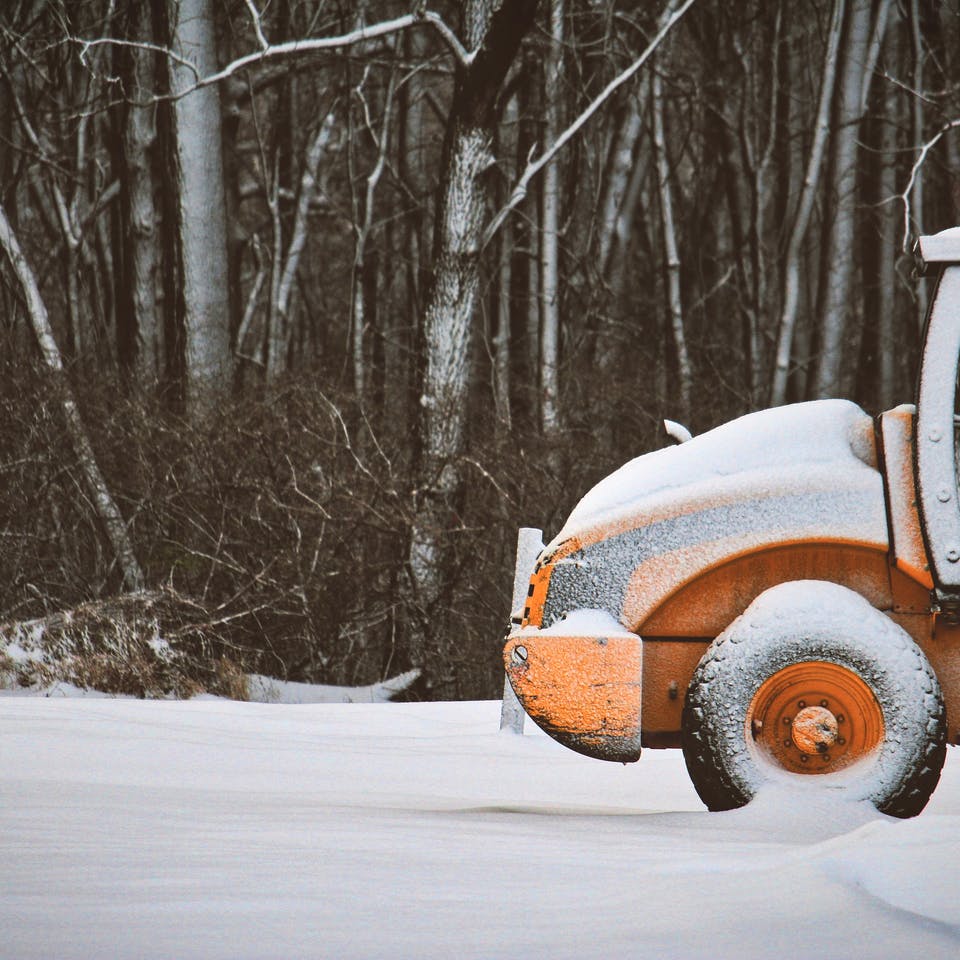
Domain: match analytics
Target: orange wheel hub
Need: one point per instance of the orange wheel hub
(814, 717)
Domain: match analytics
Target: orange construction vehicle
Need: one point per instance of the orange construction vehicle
(780, 596)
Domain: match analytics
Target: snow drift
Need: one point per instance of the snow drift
(236, 830)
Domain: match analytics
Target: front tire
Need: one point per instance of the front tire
(813, 682)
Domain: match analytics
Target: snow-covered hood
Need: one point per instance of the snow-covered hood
(801, 474)
(835, 435)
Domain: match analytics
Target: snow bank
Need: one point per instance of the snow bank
(220, 829)
(259, 689)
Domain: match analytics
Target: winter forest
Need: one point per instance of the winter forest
(307, 306)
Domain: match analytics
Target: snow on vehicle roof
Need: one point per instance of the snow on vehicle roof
(942, 247)
(818, 433)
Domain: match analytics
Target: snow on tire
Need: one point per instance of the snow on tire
(812, 679)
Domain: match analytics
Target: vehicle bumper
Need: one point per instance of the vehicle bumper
(583, 690)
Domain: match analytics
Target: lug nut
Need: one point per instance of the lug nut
(801, 704)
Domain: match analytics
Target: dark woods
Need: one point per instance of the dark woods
(322, 392)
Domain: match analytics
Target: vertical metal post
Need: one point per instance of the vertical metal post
(529, 545)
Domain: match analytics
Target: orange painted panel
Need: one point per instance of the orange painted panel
(906, 546)
(583, 691)
(706, 606)
(668, 666)
(943, 652)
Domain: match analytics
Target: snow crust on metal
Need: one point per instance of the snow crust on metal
(942, 247)
(810, 612)
(585, 622)
(936, 471)
(798, 474)
(795, 440)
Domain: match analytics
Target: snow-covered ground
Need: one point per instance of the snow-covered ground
(218, 829)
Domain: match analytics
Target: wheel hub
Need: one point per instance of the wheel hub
(814, 730)
(814, 717)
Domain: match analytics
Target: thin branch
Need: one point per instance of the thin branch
(293, 47)
(904, 195)
(535, 166)
(257, 25)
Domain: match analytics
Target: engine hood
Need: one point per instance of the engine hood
(796, 474)
(836, 434)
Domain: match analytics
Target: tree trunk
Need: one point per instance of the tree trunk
(889, 248)
(791, 272)
(495, 33)
(413, 135)
(916, 195)
(549, 240)
(839, 304)
(201, 226)
(628, 169)
(362, 228)
(140, 333)
(103, 503)
(285, 267)
(684, 370)
(620, 168)
(501, 340)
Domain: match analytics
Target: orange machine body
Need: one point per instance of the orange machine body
(665, 553)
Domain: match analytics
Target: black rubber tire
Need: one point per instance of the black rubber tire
(808, 621)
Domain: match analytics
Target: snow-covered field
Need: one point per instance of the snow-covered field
(237, 830)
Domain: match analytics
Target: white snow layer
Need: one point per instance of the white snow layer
(216, 829)
(942, 247)
(813, 435)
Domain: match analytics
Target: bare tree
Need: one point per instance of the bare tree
(140, 334)
(801, 218)
(493, 33)
(201, 235)
(103, 503)
(550, 237)
(838, 305)
(671, 255)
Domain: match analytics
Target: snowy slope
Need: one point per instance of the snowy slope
(236, 830)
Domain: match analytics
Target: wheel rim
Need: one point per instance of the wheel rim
(814, 718)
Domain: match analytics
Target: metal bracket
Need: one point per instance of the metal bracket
(947, 607)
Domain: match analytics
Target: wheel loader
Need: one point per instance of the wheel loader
(778, 597)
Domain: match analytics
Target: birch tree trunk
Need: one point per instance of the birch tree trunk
(798, 229)
(201, 226)
(889, 247)
(838, 308)
(617, 182)
(684, 370)
(494, 31)
(916, 195)
(362, 228)
(103, 503)
(501, 340)
(549, 240)
(628, 170)
(140, 337)
(285, 267)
